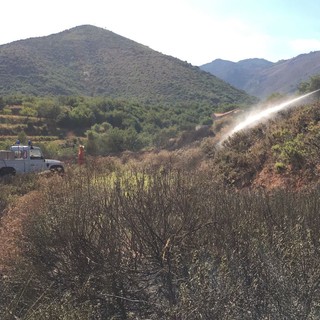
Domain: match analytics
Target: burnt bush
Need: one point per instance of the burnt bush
(13, 187)
(168, 243)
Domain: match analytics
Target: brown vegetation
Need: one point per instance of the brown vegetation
(196, 233)
(11, 228)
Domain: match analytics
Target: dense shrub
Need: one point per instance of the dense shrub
(156, 242)
(11, 188)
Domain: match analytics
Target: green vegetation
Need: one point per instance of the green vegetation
(289, 144)
(91, 61)
(311, 85)
(105, 125)
(166, 236)
(88, 85)
(201, 232)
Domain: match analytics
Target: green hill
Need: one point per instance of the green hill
(92, 61)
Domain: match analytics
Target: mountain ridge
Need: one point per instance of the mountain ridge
(261, 78)
(87, 60)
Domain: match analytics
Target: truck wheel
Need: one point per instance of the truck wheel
(7, 171)
(57, 169)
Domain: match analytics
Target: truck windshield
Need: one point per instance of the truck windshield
(35, 154)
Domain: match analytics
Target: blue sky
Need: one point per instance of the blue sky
(196, 31)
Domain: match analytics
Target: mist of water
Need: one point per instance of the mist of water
(253, 119)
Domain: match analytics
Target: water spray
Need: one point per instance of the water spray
(253, 119)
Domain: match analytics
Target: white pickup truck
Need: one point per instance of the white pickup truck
(23, 159)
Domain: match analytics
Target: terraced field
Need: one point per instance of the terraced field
(39, 129)
(54, 141)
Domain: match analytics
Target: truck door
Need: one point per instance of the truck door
(36, 162)
(19, 163)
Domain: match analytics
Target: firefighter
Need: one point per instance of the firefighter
(81, 155)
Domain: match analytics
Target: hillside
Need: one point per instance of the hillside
(214, 229)
(198, 233)
(280, 153)
(261, 78)
(92, 61)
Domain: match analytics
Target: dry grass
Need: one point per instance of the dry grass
(11, 228)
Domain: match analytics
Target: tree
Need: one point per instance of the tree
(22, 137)
(92, 146)
(311, 85)
(82, 116)
(6, 110)
(28, 112)
(2, 103)
(275, 97)
(48, 109)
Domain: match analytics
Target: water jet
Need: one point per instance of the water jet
(254, 118)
